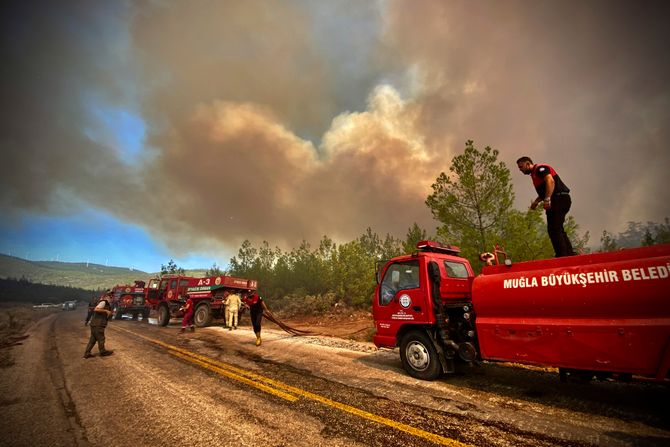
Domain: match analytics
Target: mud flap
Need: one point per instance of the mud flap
(447, 364)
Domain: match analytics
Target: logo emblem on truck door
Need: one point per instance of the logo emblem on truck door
(405, 301)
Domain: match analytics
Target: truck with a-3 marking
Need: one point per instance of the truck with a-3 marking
(168, 294)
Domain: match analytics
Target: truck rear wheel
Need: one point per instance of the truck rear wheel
(163, 316)
(202, 316)
(419, 357)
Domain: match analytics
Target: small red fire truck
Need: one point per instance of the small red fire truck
(604, 314)
(127, 299)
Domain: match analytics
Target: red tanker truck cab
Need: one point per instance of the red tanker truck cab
(604, 314)
(422, 298)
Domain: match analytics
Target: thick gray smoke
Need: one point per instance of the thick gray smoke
(290, 120)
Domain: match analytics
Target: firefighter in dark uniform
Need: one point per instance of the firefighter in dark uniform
(101, 313)
(555, 198)
(256, 307)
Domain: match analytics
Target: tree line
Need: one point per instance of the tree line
(327, 274)
(24, 291)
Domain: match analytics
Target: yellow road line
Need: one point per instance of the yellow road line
(202, 362)
(223, 372)
(246, 376)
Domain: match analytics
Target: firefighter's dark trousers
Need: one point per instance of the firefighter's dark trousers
(97, 336)
(560, 205)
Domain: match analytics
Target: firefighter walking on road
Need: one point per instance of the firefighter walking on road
(555, 198)
(256, 307)
(101, 313)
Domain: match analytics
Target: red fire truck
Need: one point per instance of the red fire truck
(605, 314)
(168, 294)
(129, 299)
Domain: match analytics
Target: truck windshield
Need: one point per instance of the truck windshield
(399, 276)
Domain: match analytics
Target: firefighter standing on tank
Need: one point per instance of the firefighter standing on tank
(555, 198)
(101, 313)
(256, 307)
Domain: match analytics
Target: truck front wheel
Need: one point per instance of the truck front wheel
(419, 357)
(202, 316)
(163, 316)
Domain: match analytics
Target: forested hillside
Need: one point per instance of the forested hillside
(71, 274)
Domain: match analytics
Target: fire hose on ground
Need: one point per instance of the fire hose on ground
(285, 327)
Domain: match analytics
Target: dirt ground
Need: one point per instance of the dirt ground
(14, 320)
(351, 325)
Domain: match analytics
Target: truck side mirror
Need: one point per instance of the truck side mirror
(395, 279)
(379, 265)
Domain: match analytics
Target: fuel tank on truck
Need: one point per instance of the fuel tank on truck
(607, 312)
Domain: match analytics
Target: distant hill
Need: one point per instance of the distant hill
(71, 274)
(74, 274)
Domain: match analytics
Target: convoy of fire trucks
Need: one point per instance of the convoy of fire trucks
(166, 296)
(604, 315)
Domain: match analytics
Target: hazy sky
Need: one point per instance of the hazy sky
(135, 132)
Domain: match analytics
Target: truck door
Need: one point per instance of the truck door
(457, 284)
(172, 290)
(400, 298)
(152, 291)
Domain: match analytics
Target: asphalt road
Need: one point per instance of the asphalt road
(215, 387)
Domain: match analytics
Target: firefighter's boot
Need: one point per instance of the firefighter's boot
(258, 338)
(103, 351)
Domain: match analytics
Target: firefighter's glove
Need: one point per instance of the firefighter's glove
(547, 204)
